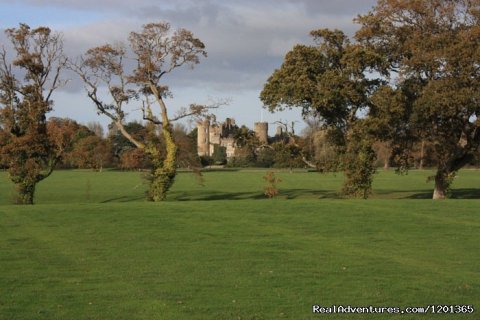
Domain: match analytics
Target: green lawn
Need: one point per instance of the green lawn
(93, 249)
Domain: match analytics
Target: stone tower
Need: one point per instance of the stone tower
(203, 137)
(261, 131)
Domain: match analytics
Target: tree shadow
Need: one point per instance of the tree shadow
(466, 193)
(423, 194)
(212, 196)
(213, 169)
(309, 193)
(123, 199)
(462, 193)
(288, 194)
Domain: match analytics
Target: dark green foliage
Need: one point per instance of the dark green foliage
(244, 137)
(244, 157)
(246, 148)
(121, 144)
(287, 155)
(359, 163)
(431, 48)
(219, 155)
(206, 161)
(328, 81)
(265, 158)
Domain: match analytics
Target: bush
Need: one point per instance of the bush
(219, 155)
(265, 158)
(206, 161)
(271, 190)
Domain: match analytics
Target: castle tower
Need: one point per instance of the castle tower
(261, 131)
(203, 137)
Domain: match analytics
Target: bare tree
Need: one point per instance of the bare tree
(157, 51)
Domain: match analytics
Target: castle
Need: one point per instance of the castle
(211, 134)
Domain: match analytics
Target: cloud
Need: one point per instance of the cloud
(246, 40)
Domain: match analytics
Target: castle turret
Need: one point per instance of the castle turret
(203, 138)
(261, 131)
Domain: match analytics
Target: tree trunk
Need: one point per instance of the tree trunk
(25, 193)
(442, 184)
(386, 163)
(422, 155)
(163, 172)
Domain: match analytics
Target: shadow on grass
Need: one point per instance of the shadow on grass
(466, 193)
(463, 193)
(290, 194)
(123, 199)
(309, 193)
(423, 194)
(212, 169)
(284, 194)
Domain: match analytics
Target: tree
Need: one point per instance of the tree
(3, 141)
(26, 150)
(120, 144)
(134, 159)
(329, 81)
(431, 51)
(92, 152)
(187, 148)
(63, 134)
(287, 155)
(157, 51)
(96, 127)
(326, 154)
(219, 155)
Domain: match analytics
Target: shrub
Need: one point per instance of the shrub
(271, 190)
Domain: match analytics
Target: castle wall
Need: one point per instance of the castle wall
(209, 135)
(215, 134)
(229, 144)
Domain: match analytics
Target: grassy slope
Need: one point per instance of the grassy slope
(92, 249)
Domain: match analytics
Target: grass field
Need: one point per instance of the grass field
(92, 248)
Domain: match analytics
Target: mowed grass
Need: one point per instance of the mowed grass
(92, 248)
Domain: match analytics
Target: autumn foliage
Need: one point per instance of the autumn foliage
(26, 148)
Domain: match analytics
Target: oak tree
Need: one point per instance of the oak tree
(329, 81)
(430, 52)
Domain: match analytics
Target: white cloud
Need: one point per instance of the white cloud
(246, 40)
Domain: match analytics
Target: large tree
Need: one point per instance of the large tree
(157, 51)
(26, 86)
(431, 52)
(329, 81)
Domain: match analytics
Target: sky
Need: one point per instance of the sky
(246, 41)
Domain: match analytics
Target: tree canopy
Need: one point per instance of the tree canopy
(329, 80)
(431, 53)
(26, 86)
(412, 74)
